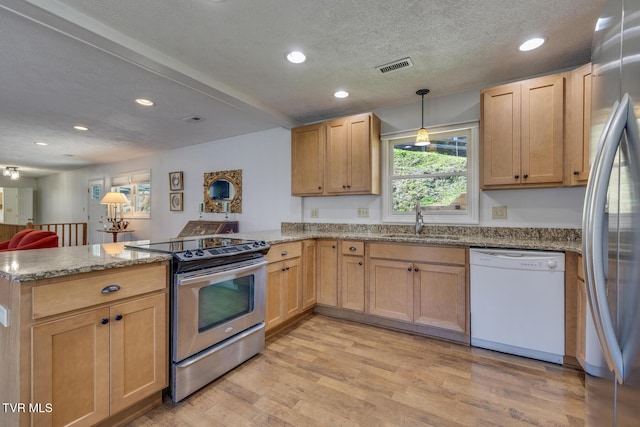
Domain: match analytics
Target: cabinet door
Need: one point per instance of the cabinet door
(353, 282)
(307, 159)
(275, 295)
(500, 146)
(71, 369)
(338, 147)
(579, 132)
(139, 350)
(359, 155)
(292, 284)
(542, 130)
(391, 289)
(441, 296)
(327, 279)
(309, 254)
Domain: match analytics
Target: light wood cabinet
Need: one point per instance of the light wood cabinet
(420, 284)
(341, 156)
(581, 315)
(94, 357)
(352, 272)
(307, 159)
(284, 283)
(523, 134)
(97, 363)
(578, 133)
(327, 273)
(309, 254)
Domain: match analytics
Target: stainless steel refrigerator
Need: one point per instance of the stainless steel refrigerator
(611, 219)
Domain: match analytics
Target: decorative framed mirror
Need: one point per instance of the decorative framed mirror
(223, 191)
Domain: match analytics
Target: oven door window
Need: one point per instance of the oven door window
(221, 302)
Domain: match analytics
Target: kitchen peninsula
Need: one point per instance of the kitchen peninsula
(98, 312)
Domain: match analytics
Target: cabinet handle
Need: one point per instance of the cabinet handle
(359, 262)
(348, 186)
(344, 187)
(286, 269)
(104, 321)
(333, 246)
(409, 269)
(110, 288)
(526, 176)
(352, 249)
(118, 317)
(283, 253)
(517, 176)
(416, 269)
(319, 188)
(576, 172)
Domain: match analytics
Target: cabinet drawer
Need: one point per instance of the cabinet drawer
(352, 248)
(87, 291)
(432, 254)
(580, 268)
(284, 251)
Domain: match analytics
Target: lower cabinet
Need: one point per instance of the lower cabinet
(420, 284)
(284, 283)
(95, 364)
(581, 315)
(352, 275)
(309, 270)
(327, 273)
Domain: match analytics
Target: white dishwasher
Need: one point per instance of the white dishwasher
(517, 302)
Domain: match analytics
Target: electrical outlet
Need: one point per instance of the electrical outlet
(315, 212)
(363, 212)
(498, 212)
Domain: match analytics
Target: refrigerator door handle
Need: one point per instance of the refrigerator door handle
(622, 117)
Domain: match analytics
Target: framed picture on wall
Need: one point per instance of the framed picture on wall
(175, 181)
(175, 201)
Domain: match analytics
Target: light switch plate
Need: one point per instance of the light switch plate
(363, 212)
(315, 212)
(498, 212)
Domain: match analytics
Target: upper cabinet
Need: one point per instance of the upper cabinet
(523, 134)
(341, 156)
(578, 129)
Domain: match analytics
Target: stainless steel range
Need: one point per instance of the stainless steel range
(218, 291)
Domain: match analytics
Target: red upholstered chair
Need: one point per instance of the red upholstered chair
(30, 239)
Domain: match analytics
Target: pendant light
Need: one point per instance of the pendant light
(423, 136)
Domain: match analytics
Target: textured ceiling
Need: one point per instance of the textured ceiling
(83, 61)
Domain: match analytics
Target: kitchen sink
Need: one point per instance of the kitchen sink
(421, 236)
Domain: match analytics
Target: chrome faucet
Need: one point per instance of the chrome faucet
(419, 219)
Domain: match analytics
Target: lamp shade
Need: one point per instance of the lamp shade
(423, 137)
(113, 197)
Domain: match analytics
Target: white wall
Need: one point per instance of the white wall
(265, 160)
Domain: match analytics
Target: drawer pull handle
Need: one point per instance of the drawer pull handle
(352, 249)
(283, 253)
(409, 269)
(110, 288)
(118, 316)
(104, 321)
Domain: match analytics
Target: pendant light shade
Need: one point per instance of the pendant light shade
(423, 136)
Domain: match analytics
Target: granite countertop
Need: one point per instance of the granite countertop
(526, 242)
(23, 266)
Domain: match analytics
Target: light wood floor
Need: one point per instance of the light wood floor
(328, 372)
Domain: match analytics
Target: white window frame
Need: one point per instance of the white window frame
(472, 214)
(133, 179)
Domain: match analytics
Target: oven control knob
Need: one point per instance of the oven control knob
(199, 252)
(188, 254)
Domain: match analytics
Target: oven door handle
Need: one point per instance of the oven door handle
(186, 281)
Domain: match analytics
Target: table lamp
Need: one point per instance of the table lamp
(112, 200)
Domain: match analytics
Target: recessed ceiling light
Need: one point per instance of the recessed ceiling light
(296, 57)
(341, 94)
(531, 44)
(40, 143)
(145, 102)
(80, 127)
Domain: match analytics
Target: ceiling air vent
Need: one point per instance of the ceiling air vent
(395, 65)
(193, 119)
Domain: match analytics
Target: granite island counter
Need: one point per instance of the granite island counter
(83, 333)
